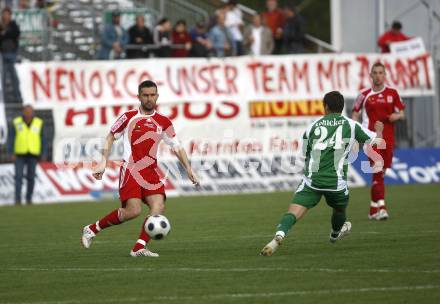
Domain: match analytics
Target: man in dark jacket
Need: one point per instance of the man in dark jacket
(162, 38)
(293, 32)
(9, 34)
(139, 35)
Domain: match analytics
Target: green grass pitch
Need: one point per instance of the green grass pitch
(211, 255)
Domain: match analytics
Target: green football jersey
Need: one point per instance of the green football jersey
(325, 149)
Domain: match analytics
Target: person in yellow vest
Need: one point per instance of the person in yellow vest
(26, 145)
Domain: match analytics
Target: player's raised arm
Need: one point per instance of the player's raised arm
(364, 135)
(378, 141)
(99, 170)
(378, 127)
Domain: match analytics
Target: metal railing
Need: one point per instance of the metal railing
(176, 9)
(151, 47)
(321, 45)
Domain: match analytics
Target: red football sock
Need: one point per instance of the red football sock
(378, 188)
(143, 239)
(373, 208)
(113, 218)
(381, 204)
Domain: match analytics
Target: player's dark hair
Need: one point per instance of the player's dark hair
(377, 64)
(146, 84)
(334, 101)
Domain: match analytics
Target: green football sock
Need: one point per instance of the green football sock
(286, 223)
(338, 220)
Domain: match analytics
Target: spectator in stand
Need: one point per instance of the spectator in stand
(293, 32)
(8, 3)
(9, 34)
(23, 4)
(51, 7)
(139, 35)
(393, 35)
(234, 22)
(162, 38)
(40, 4)
(181, 37)
(221, 38)
(201, 45)
(274, 19)
(113, 39)
(258, 38)
(212, 21)
(26, 145)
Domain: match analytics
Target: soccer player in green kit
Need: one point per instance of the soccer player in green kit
(323, 156)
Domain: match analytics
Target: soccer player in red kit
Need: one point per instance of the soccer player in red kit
(142, 130)
(379, 103)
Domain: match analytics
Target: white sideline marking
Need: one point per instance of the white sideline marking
(256, 269)
(243, 295)
(261, 236)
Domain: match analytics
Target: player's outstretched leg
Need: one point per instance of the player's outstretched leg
(337, 235)
(139, 248)
(87, 236)
(90, 231)
(287, 221)
(340, 227)
(156, 202)
(272, 246)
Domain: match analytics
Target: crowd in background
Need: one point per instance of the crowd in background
(277, 30)
(29, 4)
(274, 31)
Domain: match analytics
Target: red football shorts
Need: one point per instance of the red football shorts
(139, 184)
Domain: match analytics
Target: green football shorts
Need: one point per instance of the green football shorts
(309, 197)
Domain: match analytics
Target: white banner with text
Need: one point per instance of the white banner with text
(48, 84)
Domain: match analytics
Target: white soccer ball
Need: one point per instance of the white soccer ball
(157, 227)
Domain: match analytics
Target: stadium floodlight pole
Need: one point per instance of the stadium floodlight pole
(336, 24)
(3, 121)
(436, 97)
(432, 16)
(162, 8)
(380, 18)
(94, 26)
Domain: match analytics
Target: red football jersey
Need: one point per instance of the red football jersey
(142, 135)
(379, 106)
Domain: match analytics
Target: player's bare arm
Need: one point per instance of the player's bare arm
(100, 168)
(397, 116)
(183, 158)
(378, 127)
(378, 141)
(356, 115)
